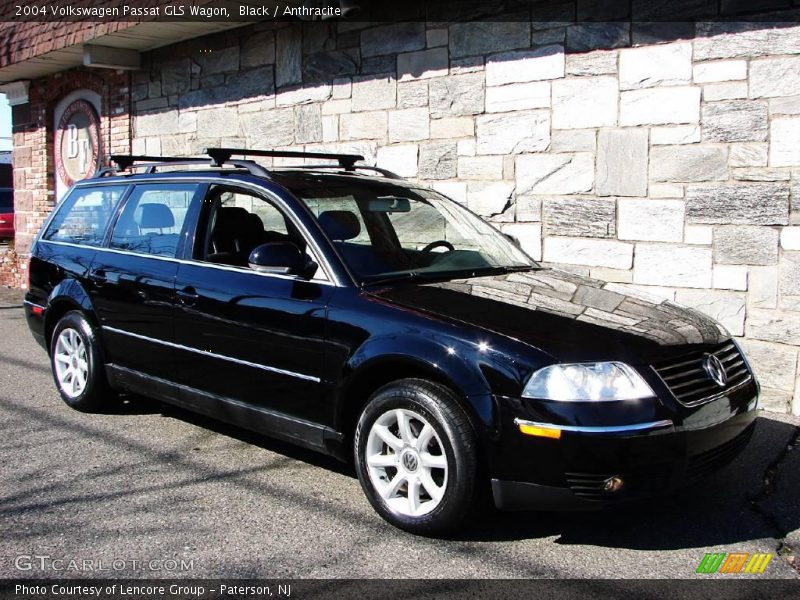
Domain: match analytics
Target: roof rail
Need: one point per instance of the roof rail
(219, 156)
(151, 163)
(385, 172)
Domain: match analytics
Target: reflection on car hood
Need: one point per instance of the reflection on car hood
(569, 316)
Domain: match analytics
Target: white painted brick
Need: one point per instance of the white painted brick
(734, 90)
(546, 62)
(660, 106)
(730, 277)
(518, 96)
(648, 66)
(720, 70)
(583, 102)
(592, 253)
(529, 236)
(671, 265)
(650, 220)
(784, 149)
(480, 167)
(790, 238)
(401, 159)
(680, 134)
(699, 235)
(409, 124)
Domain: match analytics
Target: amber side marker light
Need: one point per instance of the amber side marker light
(544, 432)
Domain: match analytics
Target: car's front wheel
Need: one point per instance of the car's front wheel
(415, 454)
(76, 364)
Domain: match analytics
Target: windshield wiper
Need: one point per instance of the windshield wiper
(454, 274)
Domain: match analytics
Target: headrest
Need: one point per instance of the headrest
(155, 216)
(340, 225)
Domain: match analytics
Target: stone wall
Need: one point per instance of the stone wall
(667, 163)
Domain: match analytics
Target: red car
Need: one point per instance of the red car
(6, 213)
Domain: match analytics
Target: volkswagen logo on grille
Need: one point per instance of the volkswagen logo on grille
(410, 461)
(713, 366)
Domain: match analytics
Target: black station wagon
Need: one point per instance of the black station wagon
(364, 316)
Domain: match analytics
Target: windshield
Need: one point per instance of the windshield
(385, 232)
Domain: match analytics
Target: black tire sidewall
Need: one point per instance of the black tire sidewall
(434, 408)
(90, 398)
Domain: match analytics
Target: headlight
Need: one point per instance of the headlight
(587, 382)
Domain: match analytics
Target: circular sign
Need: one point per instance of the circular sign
(77, 142)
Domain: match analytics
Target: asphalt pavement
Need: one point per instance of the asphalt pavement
(149, 482)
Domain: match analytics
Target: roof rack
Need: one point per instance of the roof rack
(223, 155)
(219, 157)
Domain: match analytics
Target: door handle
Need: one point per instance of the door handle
(187, 295)
(98, 277)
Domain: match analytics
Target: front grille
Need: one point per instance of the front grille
(707, 462)
(688, 381)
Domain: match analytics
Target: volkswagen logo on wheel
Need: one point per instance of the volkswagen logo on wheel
(410, 461)
(716, 371)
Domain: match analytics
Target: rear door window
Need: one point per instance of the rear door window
(6, 201)
(153, 219)
(83, 216)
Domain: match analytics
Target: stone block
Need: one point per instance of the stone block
(735, 121)
(156, 124)
(771, 77)
(218, 122)
(519, 96)
(745, 245)
(592, 253)
(457, 95)
(307, 124)
(529, 208)
(423, 64)
(622, 162)
(270, 128)
(288, 56)
(790, 238)
(412, 94)
(529, 236)
(671, 265)
(437, 37)
(408, 125)
(789, 276)
(480, 167)
(741, 38)
(784, 106)
(490, 199)
(367, 125)
(400, 159)
(455, 190)
(438, 160)
(754, 174)
(305, 95)
(774, 364)
(651, 220)
(342, 88)
(727, 308)
(730, 277)
(175, 77)
(545, 62)
(573, 140)
(220, 61)
(748, 155)
(512, 133)
(701, 235)
(688, 163)
(330, 128)
(762, 287)
(583, 102)
(598, 62)
(393, 39)
(784, 148)
(453, 127)
(658, 65)
(555, 173)
(258, 49)
(738, 204)
(782, 327)
(660, 106)
(374, 92)
(579, 217)
(584, 37)
(485, 37)
(666, 190)
(719, 71)
(725, 91)
(679, 134)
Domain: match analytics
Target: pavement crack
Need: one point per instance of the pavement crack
(783, 550)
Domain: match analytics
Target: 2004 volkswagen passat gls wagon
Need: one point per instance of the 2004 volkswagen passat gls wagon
(361, 315)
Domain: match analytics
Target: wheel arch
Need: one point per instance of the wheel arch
(69, 295)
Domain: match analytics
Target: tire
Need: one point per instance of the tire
(416, 457)
(77, 366)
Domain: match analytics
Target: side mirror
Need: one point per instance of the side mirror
(281, 258)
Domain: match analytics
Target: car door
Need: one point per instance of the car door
(132, 279)
(247, 338)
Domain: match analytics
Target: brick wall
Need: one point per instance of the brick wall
(669, 168)
(33, 156)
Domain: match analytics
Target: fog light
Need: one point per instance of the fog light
(613, 484)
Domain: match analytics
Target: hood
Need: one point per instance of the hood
(570, 317)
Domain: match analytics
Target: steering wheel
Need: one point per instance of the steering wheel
(437, 243)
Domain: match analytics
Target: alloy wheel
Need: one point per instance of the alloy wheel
(71, 363)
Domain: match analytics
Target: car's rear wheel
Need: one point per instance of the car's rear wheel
(76, 364)
(415, 453)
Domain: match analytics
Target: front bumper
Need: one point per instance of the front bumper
(651, 456)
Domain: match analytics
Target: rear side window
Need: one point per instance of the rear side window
(6, 201)
(152, 219)
(83, 216)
